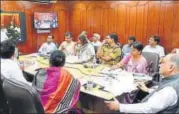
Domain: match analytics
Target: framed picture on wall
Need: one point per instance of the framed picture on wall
(13, 26)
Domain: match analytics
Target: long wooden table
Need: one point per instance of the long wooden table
(77, 70)
(95, 95)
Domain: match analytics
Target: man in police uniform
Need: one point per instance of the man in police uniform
(110, 51)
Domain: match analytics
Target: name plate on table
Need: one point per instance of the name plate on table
(90, 65)
(141, 77)
(108, 71)
(177, 51)
(71, 59)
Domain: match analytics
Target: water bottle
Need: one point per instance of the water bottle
(79, 54)
(89, 85)
(94, 62)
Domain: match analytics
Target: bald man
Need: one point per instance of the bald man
(165, 99)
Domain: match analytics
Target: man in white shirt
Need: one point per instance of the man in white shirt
(96, 40)
(126, 49)
(3, 33)
(175, 50)
(68, 46)
(165, 99)
(18, 29)
(86, 51)
(9, 67)
(154, 46)
(49, 46)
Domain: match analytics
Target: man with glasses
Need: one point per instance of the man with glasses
(154, 46)
(165, 99)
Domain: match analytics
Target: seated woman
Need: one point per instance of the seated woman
(86, 51)
(58, 89)
(134, 62)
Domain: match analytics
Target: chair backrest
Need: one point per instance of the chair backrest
(153, 61)
(177, 111)
(3, 101)
(21, 97)
(96, 49)
(71, 111)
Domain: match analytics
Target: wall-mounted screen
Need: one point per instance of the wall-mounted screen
(45, 20)
(13, 26)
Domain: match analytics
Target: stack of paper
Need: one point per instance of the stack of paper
(71, 59)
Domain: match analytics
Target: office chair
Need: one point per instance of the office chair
(153, 62)
(141, 94)
(96, 49)
(3, 102)
(177, 111)
(71, 111)
(21, 98)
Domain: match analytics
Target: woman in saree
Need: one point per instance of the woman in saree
(58, 89)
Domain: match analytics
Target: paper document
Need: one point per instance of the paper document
(117, 88)
(71, 59)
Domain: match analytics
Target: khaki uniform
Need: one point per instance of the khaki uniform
(113, 52)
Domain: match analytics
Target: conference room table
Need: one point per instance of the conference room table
(98, 82)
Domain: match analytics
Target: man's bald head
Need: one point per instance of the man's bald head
(174, 58)
(169, 65)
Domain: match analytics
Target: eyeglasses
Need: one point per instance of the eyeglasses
(132, 49)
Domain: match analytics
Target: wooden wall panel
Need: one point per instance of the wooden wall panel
(140, 18)
(153, 18)
(121, 23)
(168, 27)
(139, 23)
(75, 19)
(89, 13)
(34, 40)
(105, 21)
(132, 21)
(97, 20)
(175, 35)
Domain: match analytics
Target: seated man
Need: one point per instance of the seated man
(176, 50)
(58, 89)
(86, 50)
(165, 99)
(3, 33)
(135, 61)
(9, 67)
(127, 47)
(68, 46)
(96, 40)
(110, 52)
(49, 46)
(154, 46)
(84, 33)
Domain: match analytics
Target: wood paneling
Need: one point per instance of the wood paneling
(34, 40)
(140, 18)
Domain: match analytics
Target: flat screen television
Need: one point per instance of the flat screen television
(45, 20)
(13, 26)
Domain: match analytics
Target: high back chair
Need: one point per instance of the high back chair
(3, 101)
(21, 98)
(153, 62)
